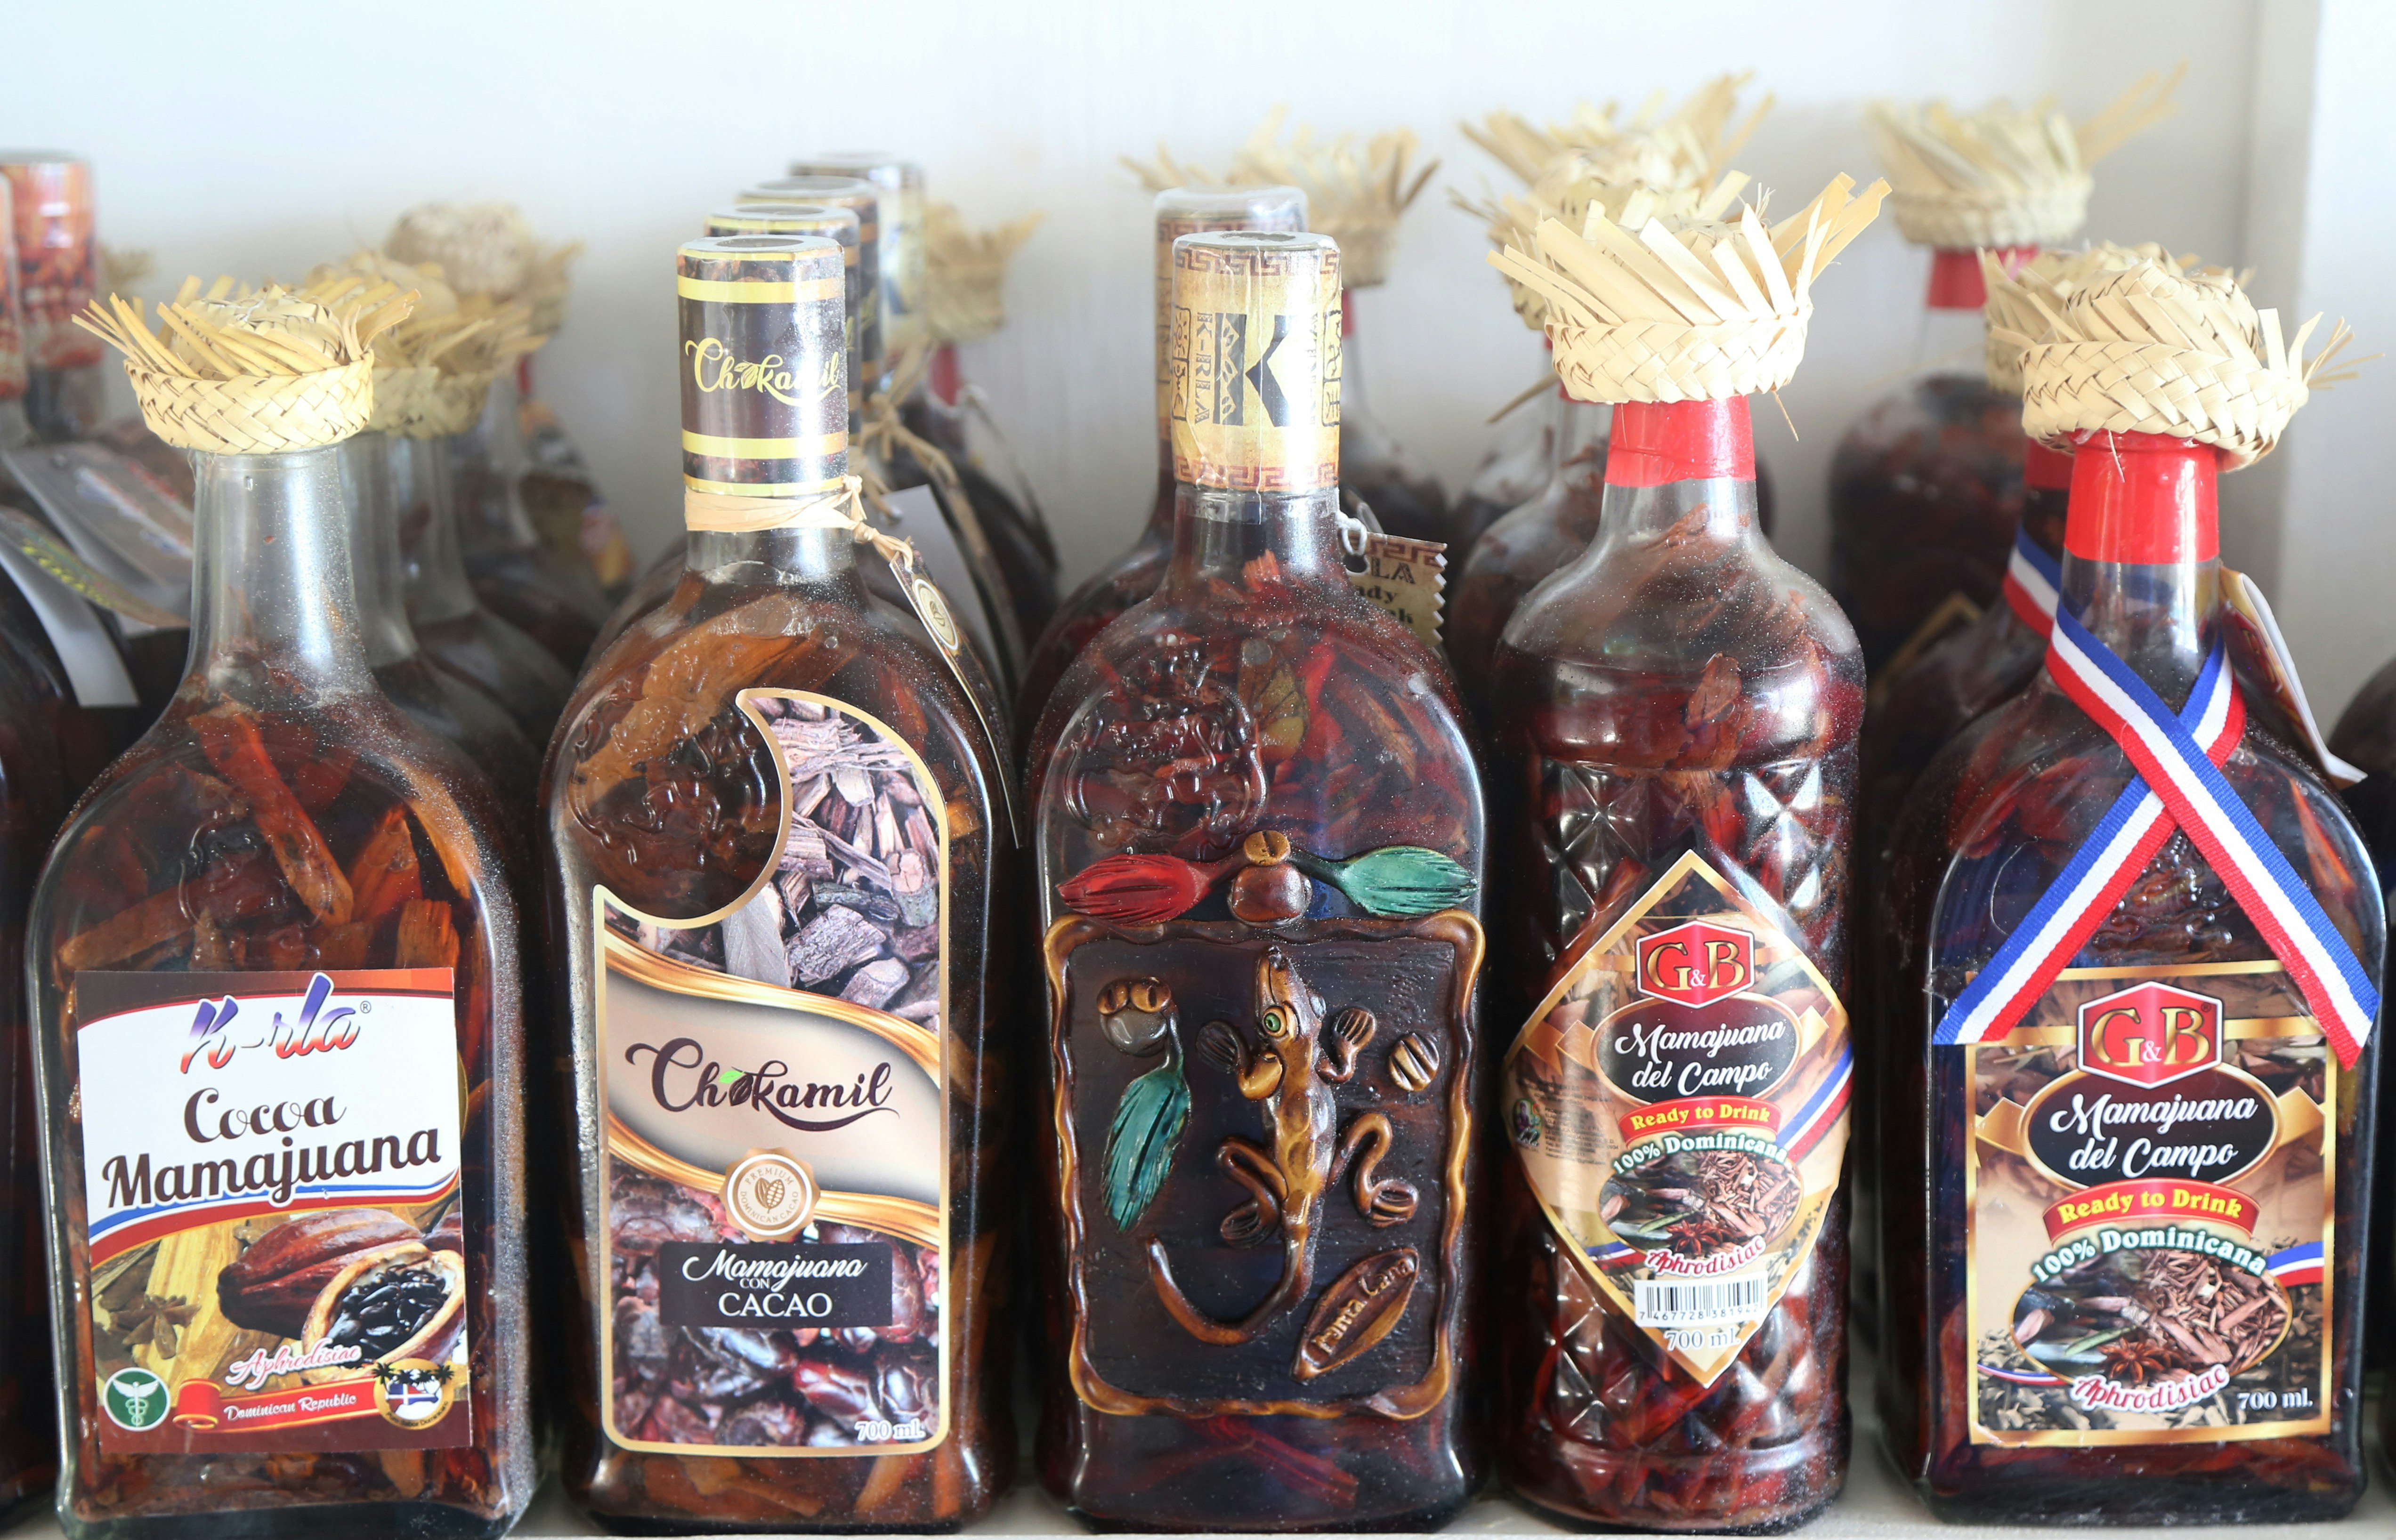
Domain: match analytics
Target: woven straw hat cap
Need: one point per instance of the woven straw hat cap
(2019, 302)
(1681, 310)
(255, 414)
(965, 272)
(2146, 349)
(423, 400)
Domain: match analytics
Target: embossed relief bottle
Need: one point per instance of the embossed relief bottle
(2133, 1090)
(289, 1322)
(1133, 576)
(1675, 715)
(776, 828)
(1258, 825)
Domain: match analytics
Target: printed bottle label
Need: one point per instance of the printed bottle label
(1679, 1103)
(2148, 1211)
(271, 1166)
(1255, 363)
(775, 1219)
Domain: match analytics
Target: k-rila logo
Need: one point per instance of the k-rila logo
(136, 1399)
(312, 1030)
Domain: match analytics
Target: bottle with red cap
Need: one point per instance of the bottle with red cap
(1675, 721)
(2138, 944)
(1926, 487)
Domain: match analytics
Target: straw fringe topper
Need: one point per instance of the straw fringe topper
(251, 374)
(2146, 349)
(965, 272)
(434, 370)
(2004, 176)
(1670, 310)
(1356, 196)
(491, 248)
(2013, 307)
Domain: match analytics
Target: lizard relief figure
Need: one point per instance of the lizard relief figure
(1291, 1072)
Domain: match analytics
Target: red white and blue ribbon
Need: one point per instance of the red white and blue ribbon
(2179, 785)
(1821, 1111)
(2033, 584)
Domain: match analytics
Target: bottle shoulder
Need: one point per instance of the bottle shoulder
(1932, 413)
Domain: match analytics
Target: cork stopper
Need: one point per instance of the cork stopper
(765, 389)
(432, 371)
(1189, 211)
(1685, 310)
(900, 236)
(863, 200)
(1255, 362)
(2146, 349)
(256, 374)
(57, 255)
(2004, 176)
(488, 247)
(2020, 301)
(965, 292)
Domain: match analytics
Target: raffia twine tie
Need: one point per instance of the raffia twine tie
(845, 509)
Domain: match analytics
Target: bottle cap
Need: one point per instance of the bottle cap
(1187, 211)
(900, 236)
(57, 255)
(861, 198)
(764, 393)
(834, 223)
(1255, 360)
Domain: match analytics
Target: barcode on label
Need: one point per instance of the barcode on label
(1697, 1302)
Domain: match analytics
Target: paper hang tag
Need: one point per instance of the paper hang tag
(94, 670)
(1406, 578)
(117, 519)
(2256, 634)
(915, 517)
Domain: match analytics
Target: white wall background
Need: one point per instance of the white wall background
(258, 139)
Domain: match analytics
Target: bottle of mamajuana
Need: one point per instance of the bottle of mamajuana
(1133, 576)
(58, 263)
(1260, 836)
(420, 401)
(2365, 740)
(898, 456)
(277, 1025)
(777, 828)
(965, 301)
(1676, 716)
(546, 588)
(1926, 486)
(1515, 469)
(2138, 944)
(840, 208)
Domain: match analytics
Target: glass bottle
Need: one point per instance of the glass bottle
(444, 704)
(1026, 555)
(1515, 469)
(452, 625)
(777, 832)
(1926, 486)
(1375, 467)
(284, 867)
(981, 535)
(1676, 721)
(1529, 544)
(1133, 576)
(1259, 825)
(58, 260)
(2365, 737)
(514, 574)
(2100, 1409)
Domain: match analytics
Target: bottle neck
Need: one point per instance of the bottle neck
(369, 475)
(1582, 430)
(1685, 469)
(424, 507)
(753, 558)
(2141, 554)
(1217, 535)
(66, 403)
(2046, 496)
(1955, 334)
(487, 458)
(274, 602)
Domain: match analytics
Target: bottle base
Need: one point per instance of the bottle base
(1421, 1520)
(2050, 1504)
(622, 1524)
(1581, 1523)
(300, 1521)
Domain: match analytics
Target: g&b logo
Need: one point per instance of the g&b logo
(1697, 964)
(2149, 1035)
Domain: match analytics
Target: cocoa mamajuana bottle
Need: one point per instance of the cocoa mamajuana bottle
(1926, 486)
(786, 207)
(896, 455)
(277, 1025)
(548, 588)
(965, 301)
(1259, 825)
(776, 828)
(2137, 945)
(1676, 716)
(1132, 577)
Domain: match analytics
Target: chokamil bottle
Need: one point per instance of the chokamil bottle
(1926, 486)
(1675, 717)
(1259, 825)
(2138, 944)
(1132, 577)
(277, 1031)
(776, 827)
